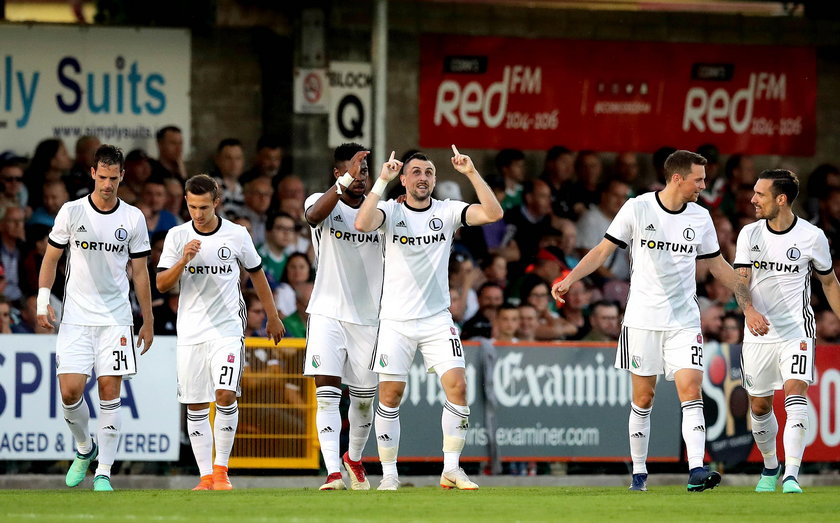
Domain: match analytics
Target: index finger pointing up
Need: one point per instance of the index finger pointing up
(455, 150)
(391, 159)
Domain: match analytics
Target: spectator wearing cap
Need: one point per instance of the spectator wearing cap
(138, 169)
(558, 171)
(712, 196)
(490, 298)
(604, 321)
(594, 223)
(547, 267)
(510, 165)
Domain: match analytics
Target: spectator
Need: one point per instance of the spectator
(28, 321)
(593, 225)
(14, 192)
(490, 298)
(50, 162)
(711, 320)
(550, 326)
(290, 195)
(267, 162)
(558, 171)
(725, 236)
(604, 322)
(658, 159)
(257, 199)
(298, 270)
(175, 198)
(279, 237)
(463, 277)
(138, 169)
(12, 238)
(170, 162)
(255, 322)
(825, 177)
(55, 195)
(166, 314)
(574, 310)
(828, 328)
(153, 200)
(296, 322)
(230, 161)
(712, 196)
(37, 239)
(79, 181)
(494, 269)
(506, 324)
(492, 238)
(584, 192)
(510, 164)
(627, 171)
(5, 313)
(528, 323)
(732, 328)
(568, 241)
(740, 174)
(531, 219)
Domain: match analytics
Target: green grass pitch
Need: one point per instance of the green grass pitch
(422, 504)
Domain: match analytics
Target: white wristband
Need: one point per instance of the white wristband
(345, 180)
(42, 301)
(379, 188)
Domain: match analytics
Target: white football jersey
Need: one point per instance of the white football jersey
(780, 285)
(100, 245)
(210, 305)
(664, 247)
(417, 248)
(348, 283)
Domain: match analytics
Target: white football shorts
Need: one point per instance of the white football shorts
(106, 350)
(206, 367)
(767, 366)
(436, 337)
(338, 348)
(650, 353)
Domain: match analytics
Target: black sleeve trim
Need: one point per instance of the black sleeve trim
(710, 255)
(743, 265)
(823, 273)
(255, 269)
(616, 241)
(384, 217)
(161, 269)
(464, 216)
(143, 254)
(56, 244)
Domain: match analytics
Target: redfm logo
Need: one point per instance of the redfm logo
(718, 111)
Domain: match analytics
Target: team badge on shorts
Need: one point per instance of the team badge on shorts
(123, 341)
(316, 361)
(453, 330)
(637, 362)
(803, 345)
(231, 358)
(699, 338)
(383, 360)
(749, 380)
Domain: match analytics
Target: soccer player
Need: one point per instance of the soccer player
(343, 315)
(205, 255)
(667, 232)
(414, 313)
(775, 256)
(96, 333)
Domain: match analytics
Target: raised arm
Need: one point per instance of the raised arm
(143, 291)
(321, 209)
(369, 217)
(46, 278)
(489, 210)
(589, 264)
(738, 281)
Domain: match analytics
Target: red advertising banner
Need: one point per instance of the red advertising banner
(488, 92)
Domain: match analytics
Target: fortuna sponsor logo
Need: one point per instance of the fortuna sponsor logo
(775, 266)
(100, 246)
(356, 237)
(208, 269)
(419, 240)
(668, 246)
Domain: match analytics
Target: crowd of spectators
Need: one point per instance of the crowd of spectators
(500, 274)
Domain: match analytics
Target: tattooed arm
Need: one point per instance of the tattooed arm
(738, 281)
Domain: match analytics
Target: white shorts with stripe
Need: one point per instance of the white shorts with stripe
(107, 350)
(436, 337)
(206, 367)
(767, 366)
(650, 353)
(338, 348)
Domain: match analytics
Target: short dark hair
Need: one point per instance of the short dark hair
(228, 142)
(604, 303)
(681, 161)
(155, 179)
(784, 182)
(489, 285)
(137, 155)
(109, 155)
(346, 151)
(508, 306)
(202, 184)
(273, 217)
(163, 130)
(556, 152)
(660, 155)
(418, 156)
(505, 157)
(268, 141)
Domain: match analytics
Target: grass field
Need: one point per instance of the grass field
(422, 504)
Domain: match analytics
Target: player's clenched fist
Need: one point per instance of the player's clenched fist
(191, 249)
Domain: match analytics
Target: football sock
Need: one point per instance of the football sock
(77, 417)
(639, 430)
(328, 425)
(108, 434)
(201, 439)
(796, 430)
(360, 417)
(694, 432)
(224, 431)
(387, 423)
(764, 430)
(454, 421)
